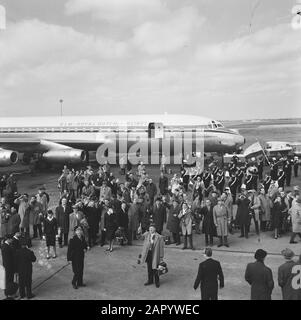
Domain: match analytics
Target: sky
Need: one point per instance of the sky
(198, 57)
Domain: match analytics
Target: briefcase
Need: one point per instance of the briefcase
(162, 268)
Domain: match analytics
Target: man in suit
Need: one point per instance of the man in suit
(152, 254)
(62, 213)
(209, 273)
(159, 215)
(24, 259)
(76, 254)
(260, 277)
(8, 259)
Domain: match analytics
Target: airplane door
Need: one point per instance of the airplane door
(156, 130)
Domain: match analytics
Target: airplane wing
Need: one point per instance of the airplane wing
(25, 144)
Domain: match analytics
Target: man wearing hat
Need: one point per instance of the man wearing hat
(76, 254)
(285, 276)
(260, 277)
(152, 254)
(209, 273)
(24, 259)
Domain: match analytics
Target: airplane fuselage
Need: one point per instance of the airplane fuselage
(36, 135)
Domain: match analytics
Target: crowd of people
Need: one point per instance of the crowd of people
(214, 201)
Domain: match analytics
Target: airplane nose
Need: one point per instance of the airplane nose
(240, 140)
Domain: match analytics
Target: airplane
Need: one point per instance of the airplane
(68, 139)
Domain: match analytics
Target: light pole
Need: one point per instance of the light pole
(61, 102)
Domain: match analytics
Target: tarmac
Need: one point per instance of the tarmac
(117, 275)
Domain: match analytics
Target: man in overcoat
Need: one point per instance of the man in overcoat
(221, 219)
(243, 217)
(133, 220)
(173, 222)
(286, 277)
(76, 254)
(62, 213)
(24, 259)
(260, 277)
(209, 273)
(159, 215)
(8, 259)
(152, 254)
(208, 227)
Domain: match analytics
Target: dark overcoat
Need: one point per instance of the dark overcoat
(62, 218)
(260, 277)
(208, 221)
(24, 259)
(209, 273)
(243, 211)
(173, 222)
(159, 216)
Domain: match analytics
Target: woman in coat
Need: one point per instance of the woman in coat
(50, 230)
(295, 212)
(110, 221)
(277, 216)
(4, 216)
(209, 228)
(173, 222)
(221, 220)
(14, 222)
(186, 219)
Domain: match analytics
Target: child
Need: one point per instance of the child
(50, 229)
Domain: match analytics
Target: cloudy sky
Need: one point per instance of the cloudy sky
(150, 56)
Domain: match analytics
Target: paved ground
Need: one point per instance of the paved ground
(117, 275)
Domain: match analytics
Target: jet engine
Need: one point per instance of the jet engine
(71, 156)
(8, 157)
